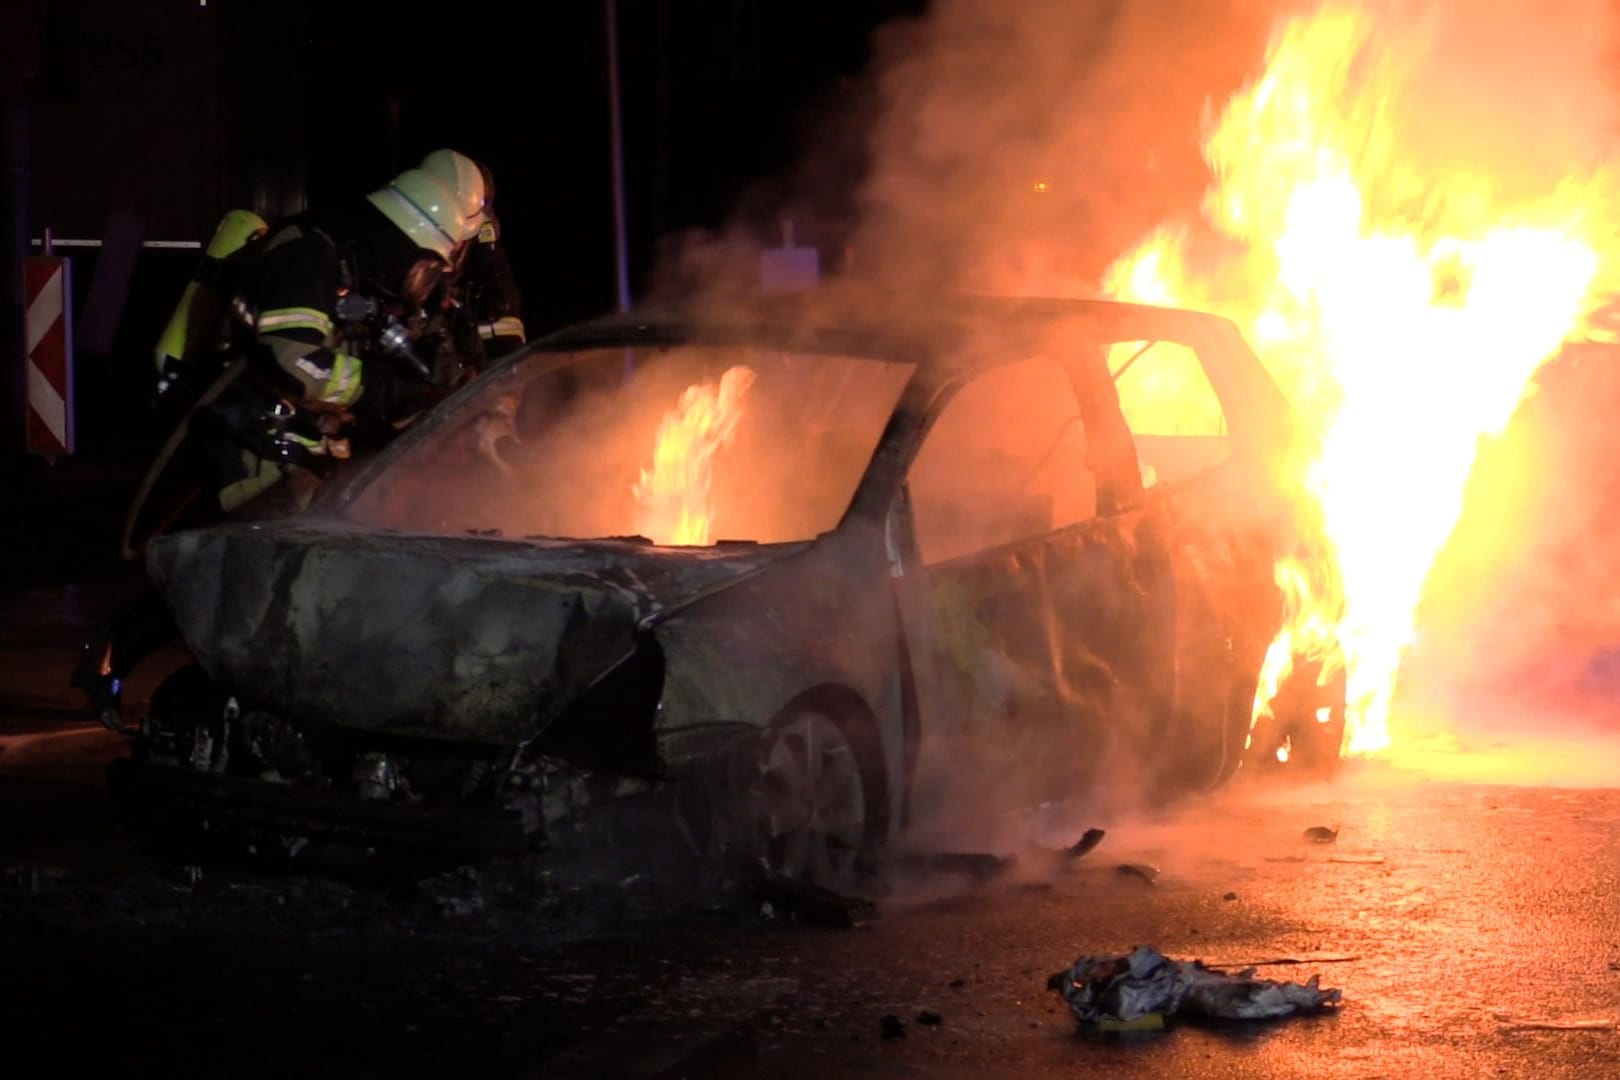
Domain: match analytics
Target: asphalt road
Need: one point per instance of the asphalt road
(1473, 929)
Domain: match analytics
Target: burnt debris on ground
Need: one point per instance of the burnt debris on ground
(1104, 992)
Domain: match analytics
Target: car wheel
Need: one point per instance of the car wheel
(812, 801)
(1302, 733)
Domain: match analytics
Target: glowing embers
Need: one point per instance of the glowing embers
(675, 497)
(1402, 305)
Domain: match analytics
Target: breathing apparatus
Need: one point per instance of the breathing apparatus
(195, 327)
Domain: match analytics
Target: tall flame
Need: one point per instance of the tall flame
(675, 497)
(1400, 306)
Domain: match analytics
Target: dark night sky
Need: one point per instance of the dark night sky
(718, 97)
(178, 111)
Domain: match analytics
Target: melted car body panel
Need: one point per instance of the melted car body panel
(458, 638)
(1049, 656)
(825, 619)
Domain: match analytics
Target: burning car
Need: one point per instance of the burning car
(797, 572)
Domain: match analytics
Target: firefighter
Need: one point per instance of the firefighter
(332, 347)
(484, 285)
(484, 297)
(340, 301)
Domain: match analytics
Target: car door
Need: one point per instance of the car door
(1219, 556)
(1037, 615)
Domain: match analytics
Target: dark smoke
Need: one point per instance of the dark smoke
(1020, 148)
(1007, 148)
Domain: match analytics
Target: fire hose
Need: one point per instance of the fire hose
(172, 445)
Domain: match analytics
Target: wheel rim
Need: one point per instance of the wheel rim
(813, 801)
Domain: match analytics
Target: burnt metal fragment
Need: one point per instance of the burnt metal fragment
(1282, 961)
(1321, 834)
(892, 1026)
(809, 903)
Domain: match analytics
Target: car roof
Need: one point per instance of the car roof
(935, 333)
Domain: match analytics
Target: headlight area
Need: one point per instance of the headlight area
(613, 725)
(207, 772)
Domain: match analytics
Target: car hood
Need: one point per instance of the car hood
(466, 638)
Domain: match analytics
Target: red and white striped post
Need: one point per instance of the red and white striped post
(48, 294)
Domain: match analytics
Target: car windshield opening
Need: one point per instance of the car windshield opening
(689, 445)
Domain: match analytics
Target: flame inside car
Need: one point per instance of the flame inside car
(1402, 303)
(675, 497)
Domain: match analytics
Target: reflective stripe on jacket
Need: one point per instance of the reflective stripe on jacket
(297, 294)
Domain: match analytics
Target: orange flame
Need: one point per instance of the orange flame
(675, 498)
(1401, 308)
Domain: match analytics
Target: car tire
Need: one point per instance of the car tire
(1309, 719)
(811, 800)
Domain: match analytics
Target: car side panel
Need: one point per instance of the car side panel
(825, 618)
(1046, 662)
(1227, 610)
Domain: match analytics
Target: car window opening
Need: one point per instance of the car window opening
(1173, 412)
(1005, 461)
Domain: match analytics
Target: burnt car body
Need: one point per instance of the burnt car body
(992, 557)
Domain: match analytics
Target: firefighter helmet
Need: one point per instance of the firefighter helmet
(438, 212)
(467, 178)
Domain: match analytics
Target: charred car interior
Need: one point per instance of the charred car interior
(788, 580)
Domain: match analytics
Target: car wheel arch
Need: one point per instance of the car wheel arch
(846, 708)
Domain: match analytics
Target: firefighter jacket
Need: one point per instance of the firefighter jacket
(306, 264)
(491, 294)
